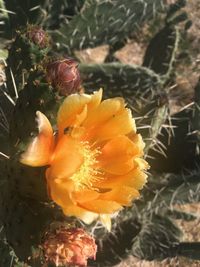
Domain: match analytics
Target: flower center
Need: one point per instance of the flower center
(87, 173)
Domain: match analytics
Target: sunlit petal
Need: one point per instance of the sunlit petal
(39, 150)
(101, 206)
(136, 178)
(59, 193)
(106, 221)
(117, 155)
(66, 158)
(120, 124)
(106, 110)
(72, 108)
(122, 195)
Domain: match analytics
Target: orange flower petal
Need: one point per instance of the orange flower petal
(117, 155)
(137, 140)
(104, 112)
(39, 150)
(59, 192)
(83, 214)
(118, 167)
(120, 124)
(84, 195)
(73, 106)
(95, 100)
(101, 206)
(120, 146)
(141, 163)
(66, 159)
(135, 178)
(122, 195)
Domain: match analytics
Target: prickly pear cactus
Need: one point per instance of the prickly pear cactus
(35, 231)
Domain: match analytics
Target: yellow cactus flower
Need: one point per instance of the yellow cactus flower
(95, 165)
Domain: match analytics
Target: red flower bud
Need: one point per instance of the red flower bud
(38, 36)
(64, 76)
(64, 246)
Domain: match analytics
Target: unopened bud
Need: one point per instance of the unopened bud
(68, 246)
(38, 36)
(64, 76)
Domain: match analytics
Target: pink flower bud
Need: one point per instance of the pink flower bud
(64, 246)
(38, 36)
(64, 76)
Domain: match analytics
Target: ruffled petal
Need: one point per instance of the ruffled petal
(39, 151)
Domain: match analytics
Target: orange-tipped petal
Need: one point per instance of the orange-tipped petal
(40, 149)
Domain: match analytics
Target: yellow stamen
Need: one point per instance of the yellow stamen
(87, 174)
